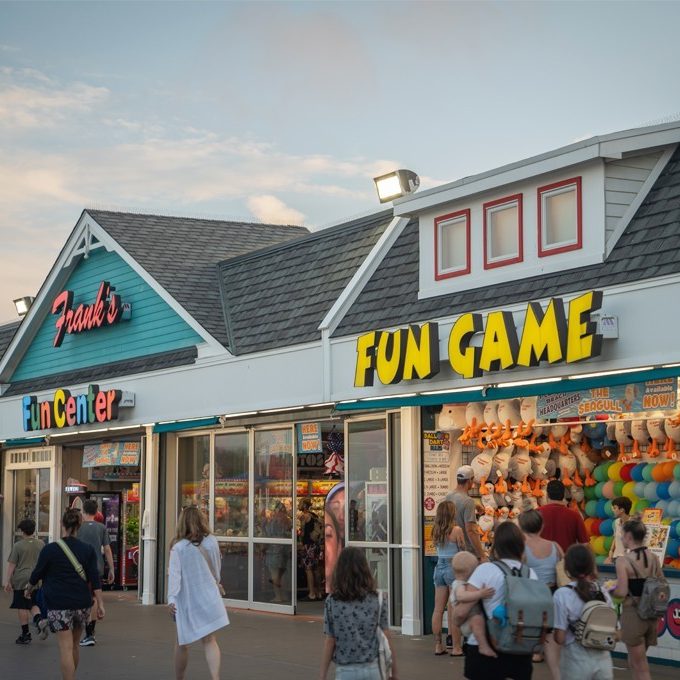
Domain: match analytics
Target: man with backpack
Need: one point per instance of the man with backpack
(585, 620)
(640, 580)
(520, 613)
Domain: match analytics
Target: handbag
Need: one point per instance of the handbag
(223, 592)
(384, 649)
(561, 577)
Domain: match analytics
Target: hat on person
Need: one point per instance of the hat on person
(465, 473)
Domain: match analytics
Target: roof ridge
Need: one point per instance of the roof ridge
(311, 237)
(194, 218)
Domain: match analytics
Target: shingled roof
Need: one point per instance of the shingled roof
(278, 297)
(649, 248)
(7, 332)
(182, 254)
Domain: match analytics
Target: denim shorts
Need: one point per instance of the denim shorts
(358, 671)
(443, 572)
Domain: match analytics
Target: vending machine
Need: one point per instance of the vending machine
(109, 503)
(129, 574)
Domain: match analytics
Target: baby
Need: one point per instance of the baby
(464, 563)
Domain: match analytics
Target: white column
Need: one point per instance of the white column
(411, 518)
(150, 516)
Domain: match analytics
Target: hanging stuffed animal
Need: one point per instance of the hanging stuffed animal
(655, 425)
(481, 465)
(474, 421)
(519, 468)
(502, 514)
(557, 436)
(577, 498)
(492, 432)
(567, 466)
(513, 515)
(540, 469)
(499, 470)
(622, 436)
(640, 434)
(452, 419)
(514, 495)
(487, 496)
(486, 524)
(671, 427)
(509, 417)
(530, 425)
(585, 465)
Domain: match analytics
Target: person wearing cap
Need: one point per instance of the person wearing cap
(466, 519)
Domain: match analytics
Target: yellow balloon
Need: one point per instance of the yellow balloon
(629, 491)
(614, 472)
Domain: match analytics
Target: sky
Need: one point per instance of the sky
(285, 111)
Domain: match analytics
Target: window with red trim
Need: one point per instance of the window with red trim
(452, 245)
(503, 242)
(560, 227)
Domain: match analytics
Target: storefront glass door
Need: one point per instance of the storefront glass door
(32, 496)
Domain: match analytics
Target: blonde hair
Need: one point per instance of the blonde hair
(192, 525)
(444, 522)
(463, 564)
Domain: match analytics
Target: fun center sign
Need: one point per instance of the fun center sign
(558, 333)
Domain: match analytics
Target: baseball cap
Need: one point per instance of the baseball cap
(465, 472)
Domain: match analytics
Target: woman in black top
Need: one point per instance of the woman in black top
(311, 529)
(68, 569)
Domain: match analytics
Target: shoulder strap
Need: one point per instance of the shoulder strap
(206, 557)
(72, 559)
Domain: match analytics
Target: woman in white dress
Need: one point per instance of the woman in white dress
(193, 591)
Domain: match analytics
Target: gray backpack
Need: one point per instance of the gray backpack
(529, 613)
(596, 627)
(653, 602)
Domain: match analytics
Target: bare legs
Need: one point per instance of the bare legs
(212, 656)
(637, 660)
(551, 652)
(277, 583)
(312, 590)
(69, 652)
(441, 597)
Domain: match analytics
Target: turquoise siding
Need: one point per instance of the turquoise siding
(154, 326)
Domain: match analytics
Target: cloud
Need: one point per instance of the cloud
(29, 98)
(272, 210)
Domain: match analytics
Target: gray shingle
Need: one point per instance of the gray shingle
(7, 332)
(182, 254)
(649, 247)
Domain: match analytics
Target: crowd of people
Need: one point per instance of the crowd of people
(536, 596)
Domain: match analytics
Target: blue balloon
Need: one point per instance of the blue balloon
(662, 505)
(650, 492)
(674, 490)
(636, 472)
(675, 529)
(607, 527)
(673, 549)
(674, 508)
(602, 509)
(640, 489)
(663, 490)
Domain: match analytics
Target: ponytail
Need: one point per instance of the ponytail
(579, 563)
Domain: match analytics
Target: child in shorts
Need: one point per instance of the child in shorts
(464, 563)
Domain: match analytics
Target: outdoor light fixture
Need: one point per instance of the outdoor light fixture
(23, 304)
(396, 184)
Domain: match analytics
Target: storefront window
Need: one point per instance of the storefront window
(235, 570)
(274, 483)
(231, 484)
(193, 472)
(24, 495)
(272, 570)
(367, 481)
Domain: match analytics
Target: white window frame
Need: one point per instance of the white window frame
(458, 217)
(488, 210)
(544, 193)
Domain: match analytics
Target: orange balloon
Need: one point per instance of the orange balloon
(658, 472)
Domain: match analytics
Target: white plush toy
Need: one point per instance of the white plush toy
(487, 496)
(585, 465)
(622, 436)
(671, 427)
(452, 418)
(530, 426)
(481, 464)
(541, 469)
(655, 425)
(486, 523)
(520, 468)
(558, 437)
(474, 421)
(577, 498)
(502, 514)
(499, 471)
(567, 465)
(509, 417)
(638, 430)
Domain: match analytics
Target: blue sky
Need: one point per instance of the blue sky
(285, 111)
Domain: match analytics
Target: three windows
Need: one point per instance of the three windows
(559, 229)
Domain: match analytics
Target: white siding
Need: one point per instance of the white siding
(622, 183)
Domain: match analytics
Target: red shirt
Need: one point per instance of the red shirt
(562, 525)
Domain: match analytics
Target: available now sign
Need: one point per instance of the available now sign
(67, 410)
(557, 333)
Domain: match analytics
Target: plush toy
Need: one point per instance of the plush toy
(622, 436)
(513, 515)
(567, 465)
(502, 514)
(452, 419)
(577, 501)
(557, 437)
(509, 416)
(519, 468)
(481, 465)
(501, 461)
(540, 469)
(585, 465)
(486, 524)
(474, 421)
(655, 425)
(671, 427)
(514, 496)
(640, 435)
(487, 496)
(527, 410)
